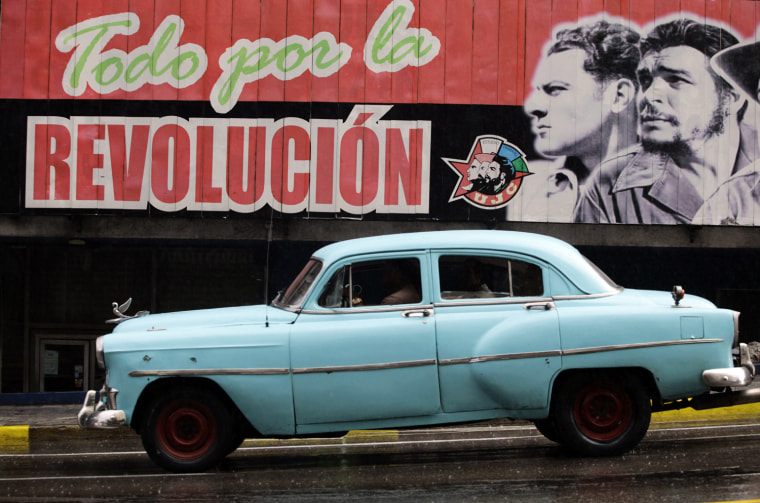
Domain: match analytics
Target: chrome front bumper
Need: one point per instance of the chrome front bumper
(732, 377)
(96, 414)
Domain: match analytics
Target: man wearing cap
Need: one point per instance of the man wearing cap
(737, 200)
(582, 109)
(692, 139)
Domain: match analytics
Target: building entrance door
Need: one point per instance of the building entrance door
(64, 365)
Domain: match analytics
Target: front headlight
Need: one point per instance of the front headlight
(736, 329)
(100, 356)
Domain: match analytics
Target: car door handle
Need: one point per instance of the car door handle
(539, 306)
(418, 313)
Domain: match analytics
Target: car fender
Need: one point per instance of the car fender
(252, 370)
(675, 345)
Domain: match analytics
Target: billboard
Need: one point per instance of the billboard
(585, 111)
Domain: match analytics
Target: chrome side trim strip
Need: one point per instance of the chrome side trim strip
(417, 363)
(369, 366)
(621, 347)
(206, 372)
(588, 295)
(491, 301)
(369, 309)
(572, 352)
(493, 358)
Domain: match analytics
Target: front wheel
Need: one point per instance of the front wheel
(188, 430)
(601, 414)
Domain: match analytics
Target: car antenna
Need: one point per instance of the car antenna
(266, 270)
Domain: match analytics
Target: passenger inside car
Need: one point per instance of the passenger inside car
(401, 277)
(374, 283)
(483, 277)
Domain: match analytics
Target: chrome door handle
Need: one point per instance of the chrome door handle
(539, 306)
(417, 313)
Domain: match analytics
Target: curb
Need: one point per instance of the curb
(26, 439)
(46, 439)
(14, 439)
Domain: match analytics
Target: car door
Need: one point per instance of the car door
(497, 331)
(364, 348)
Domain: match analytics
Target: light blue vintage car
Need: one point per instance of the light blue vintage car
(421, 329)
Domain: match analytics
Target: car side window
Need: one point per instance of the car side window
(374, 283)
(527, 279)
(483, 277)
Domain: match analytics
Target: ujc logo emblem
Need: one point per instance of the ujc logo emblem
(491, 175)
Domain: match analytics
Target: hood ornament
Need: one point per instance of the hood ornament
(120, 310)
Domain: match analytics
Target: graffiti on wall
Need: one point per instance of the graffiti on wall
(599, 113)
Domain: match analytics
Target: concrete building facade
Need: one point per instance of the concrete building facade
(193, 154)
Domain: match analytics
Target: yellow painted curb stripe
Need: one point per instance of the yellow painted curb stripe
(747, 411)
(14, 439)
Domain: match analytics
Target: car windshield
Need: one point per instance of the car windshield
(295, 293)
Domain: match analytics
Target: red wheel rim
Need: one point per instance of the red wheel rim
(603, 411)
(186, 429)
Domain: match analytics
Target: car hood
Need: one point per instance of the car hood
(208, 318)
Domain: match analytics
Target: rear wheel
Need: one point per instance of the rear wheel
(188, 430)
(601, 414)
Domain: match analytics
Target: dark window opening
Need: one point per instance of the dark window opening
(478, 277)
(374, 283)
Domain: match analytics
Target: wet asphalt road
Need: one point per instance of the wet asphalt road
(692, 461)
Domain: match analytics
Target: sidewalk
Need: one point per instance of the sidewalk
(39, 415)
(39, 428)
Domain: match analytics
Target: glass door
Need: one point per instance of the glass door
(64, 365)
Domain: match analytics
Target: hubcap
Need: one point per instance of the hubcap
(603, 412)
(186, 430)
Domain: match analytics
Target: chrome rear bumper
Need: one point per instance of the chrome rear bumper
(732, 377)
(723, 382)
(95, 414)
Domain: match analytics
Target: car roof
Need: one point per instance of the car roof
(563, 256)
